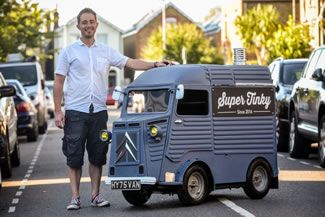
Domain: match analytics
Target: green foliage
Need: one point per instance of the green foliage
(257, 27)
(179, 36)
(291, 41)
(23, 27)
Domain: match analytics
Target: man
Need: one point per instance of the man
(85, 64)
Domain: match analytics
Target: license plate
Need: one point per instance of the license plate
(126, 184)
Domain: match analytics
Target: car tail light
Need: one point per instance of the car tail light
(23, 107)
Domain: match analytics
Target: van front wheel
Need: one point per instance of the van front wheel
(258, 179)
(195, 186)
(137, 198)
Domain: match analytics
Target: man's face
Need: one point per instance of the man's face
(87, 25)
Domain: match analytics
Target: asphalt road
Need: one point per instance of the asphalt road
(39, 188)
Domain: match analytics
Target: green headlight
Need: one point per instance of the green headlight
(153, 131)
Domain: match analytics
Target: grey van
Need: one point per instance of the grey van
(202, 128)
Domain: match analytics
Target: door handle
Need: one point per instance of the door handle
(178, 121)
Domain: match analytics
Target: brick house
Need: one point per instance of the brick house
(135, 38)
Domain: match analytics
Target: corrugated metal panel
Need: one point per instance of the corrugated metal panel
(156, 149)
(243, 135)
(221, 76)
(193, 134)
(252, 75)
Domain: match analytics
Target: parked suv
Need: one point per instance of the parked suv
(307, 108)
(284, 73)
(9, 146)
(31, 77)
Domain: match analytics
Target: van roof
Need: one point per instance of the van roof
(196, 74)
(17, 64)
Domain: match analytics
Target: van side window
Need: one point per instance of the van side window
(194, 102)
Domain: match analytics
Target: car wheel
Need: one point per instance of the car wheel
(258, 179)
(195, 186)
(299, 147)
(42, 129)
(282, 136)
(15, 158)
(321, 143)
(137, 198)
(6, 167)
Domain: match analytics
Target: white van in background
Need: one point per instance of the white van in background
(31, 76)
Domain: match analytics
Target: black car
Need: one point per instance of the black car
(307, 109)
(26, 111)
(285, 73)
(9, 146)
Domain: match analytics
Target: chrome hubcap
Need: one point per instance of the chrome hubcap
(321, 144)
(195, 185)
(292, 135)
(260, 178)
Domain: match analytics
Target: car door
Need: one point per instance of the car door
(309, 95)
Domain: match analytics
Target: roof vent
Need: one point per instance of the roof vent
(240, 56)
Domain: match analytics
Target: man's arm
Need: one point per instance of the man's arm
(57, 94)
(137, 64)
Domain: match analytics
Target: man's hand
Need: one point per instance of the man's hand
(59, 119)
(163, 63)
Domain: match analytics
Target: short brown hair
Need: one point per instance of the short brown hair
(86, 11)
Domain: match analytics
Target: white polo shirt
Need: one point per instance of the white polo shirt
(86, 70)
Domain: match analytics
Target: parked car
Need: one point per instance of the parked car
(9, 146)
(284, 73)
(49, 102)
(30, 75)
(307, 109)
(26, 111)
(110, 100)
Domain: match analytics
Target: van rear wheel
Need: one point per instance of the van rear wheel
(258, 179)
(195, 186)
(137, 198)
(321, 142)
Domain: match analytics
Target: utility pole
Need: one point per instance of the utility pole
(163, 25)
(294, 11)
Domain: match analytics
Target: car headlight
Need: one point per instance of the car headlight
(155, 132)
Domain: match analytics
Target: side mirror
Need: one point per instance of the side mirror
(180, 91)
(8, 90)
(117, 93)
(317, 74)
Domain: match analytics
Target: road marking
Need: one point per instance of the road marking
(304, 162)
(318, 167)
(19, 193)
(15, 201)
(280, 155)
(236, 208)
(12, 209)
(290, 158)
(302, 175)
(28, 174)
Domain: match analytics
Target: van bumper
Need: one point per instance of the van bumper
(146, 180)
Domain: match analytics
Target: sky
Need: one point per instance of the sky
(124, 13)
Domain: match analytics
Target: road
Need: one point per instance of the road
(40, 188)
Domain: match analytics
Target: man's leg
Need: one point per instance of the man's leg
(75, 176)
(95, 173)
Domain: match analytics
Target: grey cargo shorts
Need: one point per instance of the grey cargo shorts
(82, 130)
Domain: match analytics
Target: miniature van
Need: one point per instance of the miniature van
(202, 128)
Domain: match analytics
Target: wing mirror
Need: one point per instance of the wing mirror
(317, 75)
(180, 91)
(7, 91)
(117, 93)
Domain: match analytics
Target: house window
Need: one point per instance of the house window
(171, 20)
(102, 38)
(194, 102)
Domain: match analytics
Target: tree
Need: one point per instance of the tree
(22, 27)
(257, 27)
(216, 11)
(291, 41)
(178, 37)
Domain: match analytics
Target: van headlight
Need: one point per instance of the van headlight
(105, 135)
(155, 132)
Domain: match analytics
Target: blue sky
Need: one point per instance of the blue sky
(124, 13)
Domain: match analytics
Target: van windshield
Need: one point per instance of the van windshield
(148, 101)
(25, 74)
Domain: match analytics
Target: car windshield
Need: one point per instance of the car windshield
(292, 72)
(25, 74)
(148, 100)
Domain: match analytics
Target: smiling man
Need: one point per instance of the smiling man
(86, 64)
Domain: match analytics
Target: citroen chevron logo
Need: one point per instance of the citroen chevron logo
(126, 145)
